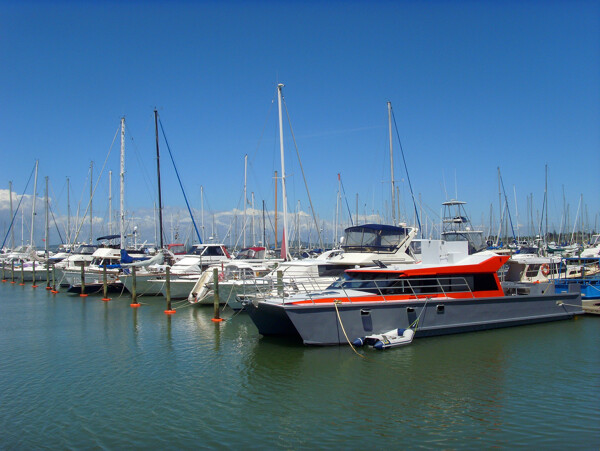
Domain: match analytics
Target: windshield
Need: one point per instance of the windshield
(358, 239)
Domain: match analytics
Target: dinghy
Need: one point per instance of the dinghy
(391, 339)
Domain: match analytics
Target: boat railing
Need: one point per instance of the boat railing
(282, 287)
(419, 288)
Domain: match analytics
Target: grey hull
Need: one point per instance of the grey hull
(319, 324)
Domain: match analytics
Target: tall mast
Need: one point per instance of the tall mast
(245, 198)
(12, 229)
(160, 219)
(284, 240)
(389, 105)
(33, 206)
(122, 186)
(546, 200)
(155, 226)
(264, 225)
(252, 218)
(91, 198)
(202, 208)
(69, 212)
(46, 254)
(110, 202)
(298, 225)
(276, 207)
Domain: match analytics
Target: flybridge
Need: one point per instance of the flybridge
(379, 237)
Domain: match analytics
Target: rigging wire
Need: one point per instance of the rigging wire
(407, 175)
(303, 175)
(180, 183)
(18, 206)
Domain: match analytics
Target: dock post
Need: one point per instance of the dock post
(217, 317)
(133, 285)
(3, 272)
(134, 302)
(54, 279)
(22, 274)
(12, 271)
(33, 285)
(169, 310)
(48, 287)
(82, 294)
(105, 298)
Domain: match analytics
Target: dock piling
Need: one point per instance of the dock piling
(217, 317)
(33, 285)
(82, 294)
(169, 310)
(105, 298)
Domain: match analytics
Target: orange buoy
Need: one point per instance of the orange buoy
(170, 312)
(134, 305)
(217, 320)
(106, 299)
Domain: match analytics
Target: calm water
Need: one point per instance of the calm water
(88, 374)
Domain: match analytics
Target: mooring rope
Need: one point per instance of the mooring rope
(335, 304)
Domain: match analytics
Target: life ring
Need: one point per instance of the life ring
(221, 277)
(545, 269)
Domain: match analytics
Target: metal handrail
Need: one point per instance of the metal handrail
(311, 287)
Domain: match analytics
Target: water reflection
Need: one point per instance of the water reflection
(184, 380)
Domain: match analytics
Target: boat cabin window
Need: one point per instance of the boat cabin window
(86, 250)
(386, 284)
(213, 251)
(249, 253)
(332, 270)
(363, 239)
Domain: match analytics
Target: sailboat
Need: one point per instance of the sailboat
(109, 255)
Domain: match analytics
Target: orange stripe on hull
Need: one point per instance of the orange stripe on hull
(400, 298)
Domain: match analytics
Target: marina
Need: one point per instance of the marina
(111, 376)
(320, 225)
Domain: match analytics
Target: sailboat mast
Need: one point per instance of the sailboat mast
(546, 200)
(389, 105)
(122, 186)
(91, 199)
(69, 212)
(276, 207)
(245, 198)
(202, 208)
(110, 202)
(264, 225)
(284, 240)
(160, 220)
(33, 206)
(46, 254)
(12, 229)
(252, 218)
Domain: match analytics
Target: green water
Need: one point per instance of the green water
(81, 373)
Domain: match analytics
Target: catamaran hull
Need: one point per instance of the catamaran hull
(319, 324)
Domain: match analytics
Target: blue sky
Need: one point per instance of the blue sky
(474, 86)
